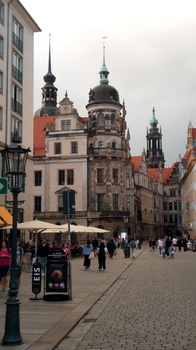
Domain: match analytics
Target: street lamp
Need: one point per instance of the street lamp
(14, 159)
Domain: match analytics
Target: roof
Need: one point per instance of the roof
(153, 174)
(40, 133)
(136, 160)
(167, 173)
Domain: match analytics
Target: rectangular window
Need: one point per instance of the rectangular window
(17, 35)
(37, 204)
(1, 12)
(74, 147)
(128, 180)
(175, 218)
(115, 202)
(37, 178)
(1, 118)
(70, 177)
(17, 99)
(170, 206)
(65, 125)
(61, 177)
(170, 219)
(115, 176)
(17, 64)
(100, 202)
(1, 47)
(100, 176)
(16, 128)
(175, 206)
(1, 82)
(60, 203)
(57, 148)
(164, 205)
(165, 218)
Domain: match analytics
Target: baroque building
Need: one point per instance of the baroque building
(110, 181)
(17, 30)
(89, 155)
(188, 184)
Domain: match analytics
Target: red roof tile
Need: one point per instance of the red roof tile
(136, 160)
(40, 124)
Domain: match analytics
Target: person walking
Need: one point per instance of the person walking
(160, 243)
(87, 249)
(133, 248)
(5, 258)
(111, 248)
(43, 251)
(19, 260)
(102, 256)
(168, 244)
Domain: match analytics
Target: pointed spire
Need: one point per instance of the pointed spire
(104, 71)
(49, 60)
(49, 78)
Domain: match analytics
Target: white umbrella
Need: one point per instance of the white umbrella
(37, 226)
(80, 228)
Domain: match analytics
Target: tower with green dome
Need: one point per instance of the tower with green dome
(155, 155)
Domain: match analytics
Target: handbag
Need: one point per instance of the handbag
(92, 255)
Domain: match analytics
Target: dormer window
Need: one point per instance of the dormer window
(65, 125)
(101, 119)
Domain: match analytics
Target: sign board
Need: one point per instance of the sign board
(56, 276)
(3, 185)
(36, 278)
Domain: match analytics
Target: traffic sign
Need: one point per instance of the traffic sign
(3, 185)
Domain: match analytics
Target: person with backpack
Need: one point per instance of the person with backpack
(133, 248)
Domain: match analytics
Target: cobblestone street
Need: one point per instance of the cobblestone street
(151, 306)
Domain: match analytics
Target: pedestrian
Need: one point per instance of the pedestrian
(133, 248)
(111, 248)
(160, 243)
(172, 252)
(175, 243)
(185, 244)
(87, 249)
(19, 260)
(150, 243)
(179, 243)
(5, 258)
(95, 245)
(102, 256)
(154, 244)
(43, 251)
(168, 244)
(66, 250)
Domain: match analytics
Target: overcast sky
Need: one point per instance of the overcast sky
(150, 54)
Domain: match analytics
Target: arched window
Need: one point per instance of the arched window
(101, 119)
(113, 118)
(100, 144)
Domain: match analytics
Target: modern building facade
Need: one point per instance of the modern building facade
(17, 30)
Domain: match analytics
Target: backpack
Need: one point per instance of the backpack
(133, 245)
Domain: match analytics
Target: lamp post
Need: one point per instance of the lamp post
(14, 159)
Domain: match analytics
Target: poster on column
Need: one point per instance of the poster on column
(56, 276)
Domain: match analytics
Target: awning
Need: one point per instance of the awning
(5, 216)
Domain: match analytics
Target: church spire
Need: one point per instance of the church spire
(49, 91)
(104, 71)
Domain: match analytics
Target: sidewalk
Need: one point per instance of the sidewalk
(43, 324)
